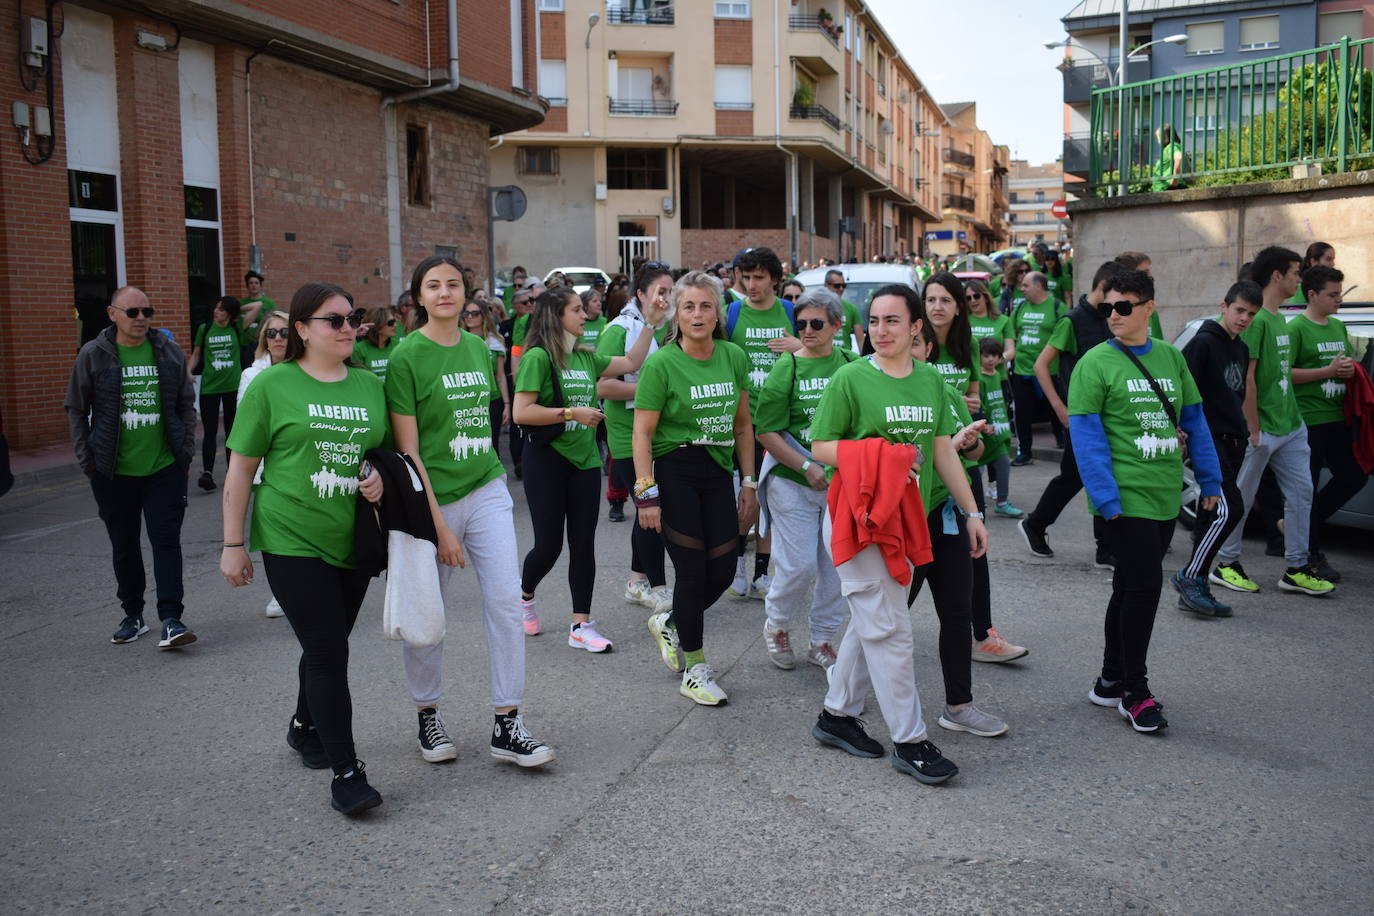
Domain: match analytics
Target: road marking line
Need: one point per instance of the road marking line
(50, 529)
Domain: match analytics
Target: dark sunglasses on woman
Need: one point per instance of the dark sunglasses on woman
(814, 324)
(471, 313)
(272, 333)
(1125, 307)
(336, 321)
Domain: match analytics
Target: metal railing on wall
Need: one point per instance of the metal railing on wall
(1236, 124)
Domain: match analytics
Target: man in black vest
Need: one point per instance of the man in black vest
(1084, 327)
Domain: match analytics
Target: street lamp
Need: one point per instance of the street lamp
(1119, 77)
(592, 20)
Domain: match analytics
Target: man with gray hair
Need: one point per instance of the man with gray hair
(131, 414)
(1032, 323)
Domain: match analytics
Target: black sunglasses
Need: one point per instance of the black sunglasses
(146, 311)
(471, 313)
(837, 285)
(975, 295)
(336, 321)
(655, 265)
(271, 333)
(1125, 307)
(391, 322)
(814, 324)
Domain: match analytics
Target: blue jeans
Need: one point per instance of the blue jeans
(124, 504)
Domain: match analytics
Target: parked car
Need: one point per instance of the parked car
(580, 278)
(862, 280)
(1359, 321)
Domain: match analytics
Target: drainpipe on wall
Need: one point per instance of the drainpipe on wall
(793, 240)
(395, 253)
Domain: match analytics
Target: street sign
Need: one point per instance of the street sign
(939, 235)
(507, 202)
(961, 235)
(1060, 209)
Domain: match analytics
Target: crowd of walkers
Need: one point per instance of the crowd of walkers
(857, 449)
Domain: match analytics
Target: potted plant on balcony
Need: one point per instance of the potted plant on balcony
(804, 96)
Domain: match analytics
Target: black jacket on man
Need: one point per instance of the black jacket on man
(1219, 362)
(94, 397)
(1090, 328)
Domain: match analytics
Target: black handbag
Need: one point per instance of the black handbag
(545, 434)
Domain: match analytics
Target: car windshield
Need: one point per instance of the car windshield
(861, 294)
(580, 278)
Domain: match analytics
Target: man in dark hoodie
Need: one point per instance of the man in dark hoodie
(131, 413)
(1084, 327)
(1218, 360)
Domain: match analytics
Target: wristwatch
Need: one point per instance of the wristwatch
(567, 413)
(749, 482)
(805, 465)
(974, 515)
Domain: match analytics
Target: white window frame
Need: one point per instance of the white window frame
(559, 100)
(733, 9)
(1258, 45)
(517, 48)
(550, 6)
(1190, 51)
(736, 71)
(112, 218)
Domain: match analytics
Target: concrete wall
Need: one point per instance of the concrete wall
(1198, 238)
(560, 228)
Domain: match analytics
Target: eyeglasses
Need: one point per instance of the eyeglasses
(655, 265)
(836, 285)
(391, 322)
(814, 324)
(1125, 307)
(472, 313)
(336, 321)
(146, 311)
(272, 333)
(975, 295)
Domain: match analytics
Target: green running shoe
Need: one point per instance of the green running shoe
(1232, 576)
(1304, 579)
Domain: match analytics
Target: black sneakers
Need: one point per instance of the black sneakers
(350, 792)
(1143, 711)
(924, 761)
(1035, 539)
(306, 740)
(1102, 695)
(1103, 559)
(206, 481)
(846, 733)
(1322, 569)
(175, 634)
(511, 741)
(435, 745)
(132, 628)
(617, 511)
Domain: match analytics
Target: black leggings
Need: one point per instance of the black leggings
(982, 581)
(209, 417)
(1138, 545)
(951, 587)
(646, 547)
(495, 409)
(321, 604)
(1059, 492)
(1332, 448)
(561, 495)
(700, 531)
(1026, 394)
(1214, 526)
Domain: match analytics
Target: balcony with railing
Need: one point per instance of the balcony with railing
(1082, 77)
(826, 27)
(959, 159)
(960, 202)
(1077, 161)
(656, 14)
(644, 108)
(819, 112)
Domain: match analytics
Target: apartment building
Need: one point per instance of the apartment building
(686, 131)
(1218, 32)
(973, 196)
(307, 139)
(1032, 190)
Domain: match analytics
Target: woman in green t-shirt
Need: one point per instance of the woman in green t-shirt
(563, 477)
(890, 396)
(691, 424)
(311, 418)
(373, 350)
(985, 321)
(218, 344)
(273, 329)
(952, 354)
(438, 391)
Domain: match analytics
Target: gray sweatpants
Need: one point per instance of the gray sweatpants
(483, 523)
(800, 560)
(876, 652)
(1291, 460)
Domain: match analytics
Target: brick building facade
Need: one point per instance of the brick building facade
(310, 139)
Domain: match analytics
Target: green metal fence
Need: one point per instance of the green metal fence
(1236, 124)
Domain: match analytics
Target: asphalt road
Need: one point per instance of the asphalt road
(147, 781)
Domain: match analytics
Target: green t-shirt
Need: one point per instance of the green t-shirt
(696, 398)
(1314, 347)
(495, 347)
(862, 402)
(312, 436)
(791, 395)
(997, 327)
(1146, 460)
(220, 349)
(248, 332)
(372, 357)
(957, 378)
(592, 331)
(852, 318)
(518, 329)
(753, 330)
(620, 416)
(1033, 325)
(143, 448)
(1156, 329)
(997, 437)
(578, 381)
(1271, 346)
(954, 404)
(447, 390)
(1164, 167)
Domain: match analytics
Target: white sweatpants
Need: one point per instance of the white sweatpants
(876, 652)
(801, 560)
(483, 523)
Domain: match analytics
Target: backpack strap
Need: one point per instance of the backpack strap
(732, 318)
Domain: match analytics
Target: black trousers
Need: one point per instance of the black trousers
(981, 608)
(210, 405)
(1026, 394)
(494, 410)
(701, 533)
(646, 547)
(1138, 545)
(561, 496)
(1214, 526)
(1333, 449)
(950, 574)
(1061, 491)
(124, 504)
(321, 603)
